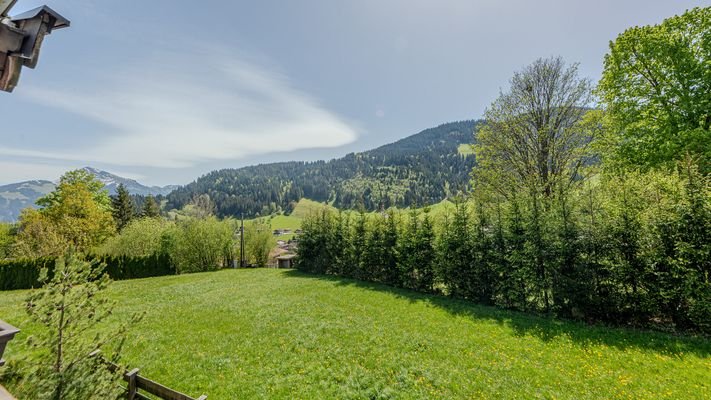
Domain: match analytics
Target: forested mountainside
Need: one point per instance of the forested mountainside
(418, 170)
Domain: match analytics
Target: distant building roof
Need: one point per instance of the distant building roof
(286, 257)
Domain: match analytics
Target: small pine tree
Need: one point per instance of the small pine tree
(425, 254)
(373, 251)
(70, 307)
(456, 253)
(358, 248)
(123, 207)
(391, 274)
(406, 251)
(151, 209)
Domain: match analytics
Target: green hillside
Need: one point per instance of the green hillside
(280, 334)
(422, 169)
(15, 197)
(306, 207)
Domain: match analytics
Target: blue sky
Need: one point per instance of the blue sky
(165, 91)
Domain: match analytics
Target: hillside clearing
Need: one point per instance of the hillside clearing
(283, 334)
(465, 149)
(305, 208)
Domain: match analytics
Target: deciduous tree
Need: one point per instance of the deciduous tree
(76, 214)
(656, 86)
(535, 136)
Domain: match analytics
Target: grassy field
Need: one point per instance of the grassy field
(307, 207)
(244, 334)
(465, 149)
(304, 208)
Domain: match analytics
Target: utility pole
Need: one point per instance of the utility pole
(241, 243)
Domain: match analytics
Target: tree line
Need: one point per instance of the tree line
(80, 216)
(599, 212)
(629, 249)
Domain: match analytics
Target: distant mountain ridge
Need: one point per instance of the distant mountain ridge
(111, 182)
(421, 169)
(17, 196)
(418, 170)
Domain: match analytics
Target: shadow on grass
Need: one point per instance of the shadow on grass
(541, 327)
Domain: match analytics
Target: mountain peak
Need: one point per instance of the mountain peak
(16, 196)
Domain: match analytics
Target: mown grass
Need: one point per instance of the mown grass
(275, 334)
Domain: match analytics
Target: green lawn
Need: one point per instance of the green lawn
(243, 334)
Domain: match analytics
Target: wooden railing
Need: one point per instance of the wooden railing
(136, 383)
(7, 332)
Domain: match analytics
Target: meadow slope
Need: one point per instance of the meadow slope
(243, 334)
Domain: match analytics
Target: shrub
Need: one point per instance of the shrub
(197, 245)
(140, 238)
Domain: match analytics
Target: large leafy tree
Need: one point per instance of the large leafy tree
(204, 244)
(258, 243)
(38, 236)
(656, 85)
(77, 214)
(78, 178)
(142, 237)
(7, 239)
(536, 133)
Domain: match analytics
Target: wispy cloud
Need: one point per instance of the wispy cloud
(14, 171)
(180, 109)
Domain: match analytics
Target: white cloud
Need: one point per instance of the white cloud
(14, 171)
(181, 109)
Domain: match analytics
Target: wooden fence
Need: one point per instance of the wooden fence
(137, 383)
(7, 333)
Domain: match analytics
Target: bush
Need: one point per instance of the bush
(140, 238)
(258, 243)
(197, 245)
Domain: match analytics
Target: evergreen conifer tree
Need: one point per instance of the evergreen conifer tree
(69, 307)
(425, 254)
(123, 207)
(151, 209)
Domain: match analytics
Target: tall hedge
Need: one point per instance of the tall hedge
(627, 248)
(24, 273)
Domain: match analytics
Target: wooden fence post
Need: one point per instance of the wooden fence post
(132, 387)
